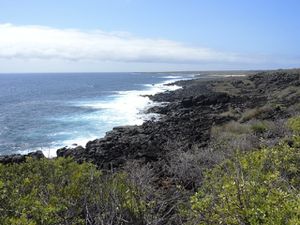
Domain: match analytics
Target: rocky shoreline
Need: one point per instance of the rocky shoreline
(204, 135)
(186, 120)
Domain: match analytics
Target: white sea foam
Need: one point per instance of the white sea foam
(172, 77)
(127, 107)
(121, 108)
(48, 152)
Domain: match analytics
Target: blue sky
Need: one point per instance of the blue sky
(157, 34)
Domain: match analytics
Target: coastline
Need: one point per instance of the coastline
(185, 122)
(127, 107)
(137, 113)
(207, 122)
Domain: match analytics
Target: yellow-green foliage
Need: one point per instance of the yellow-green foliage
(294, 124)
(61, 191)
(261, 187)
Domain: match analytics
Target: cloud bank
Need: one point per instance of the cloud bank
(39, 42)
(46, 49)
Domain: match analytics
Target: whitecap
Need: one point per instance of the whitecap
(120, 108)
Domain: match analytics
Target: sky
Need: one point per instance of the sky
(148, 35)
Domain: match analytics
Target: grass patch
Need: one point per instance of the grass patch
(259, 127)
(287, 93)
(254, 113)
(233, 113)
(231, 127)
(226, 87)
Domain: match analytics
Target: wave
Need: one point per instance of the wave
(127, 107)
(118, 109)
(172, 77)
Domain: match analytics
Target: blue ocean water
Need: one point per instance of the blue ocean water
(49, 111)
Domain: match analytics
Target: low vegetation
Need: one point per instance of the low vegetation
(257, 187)
(260, 187)
(61, 191)
(256, 112)
(246, 174)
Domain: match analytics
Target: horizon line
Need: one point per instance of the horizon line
(170, 71)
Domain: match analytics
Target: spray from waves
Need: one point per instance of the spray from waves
(120, 108)
(170, 77)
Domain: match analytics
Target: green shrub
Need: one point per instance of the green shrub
(261, 187)
(61, 191)
(259, 128)
(294, 124)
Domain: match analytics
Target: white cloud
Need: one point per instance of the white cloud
(46, 49)
(38, 42)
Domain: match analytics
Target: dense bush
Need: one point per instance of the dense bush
(61, 191)
(260, 187)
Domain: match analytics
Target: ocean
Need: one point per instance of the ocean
(49, 111)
